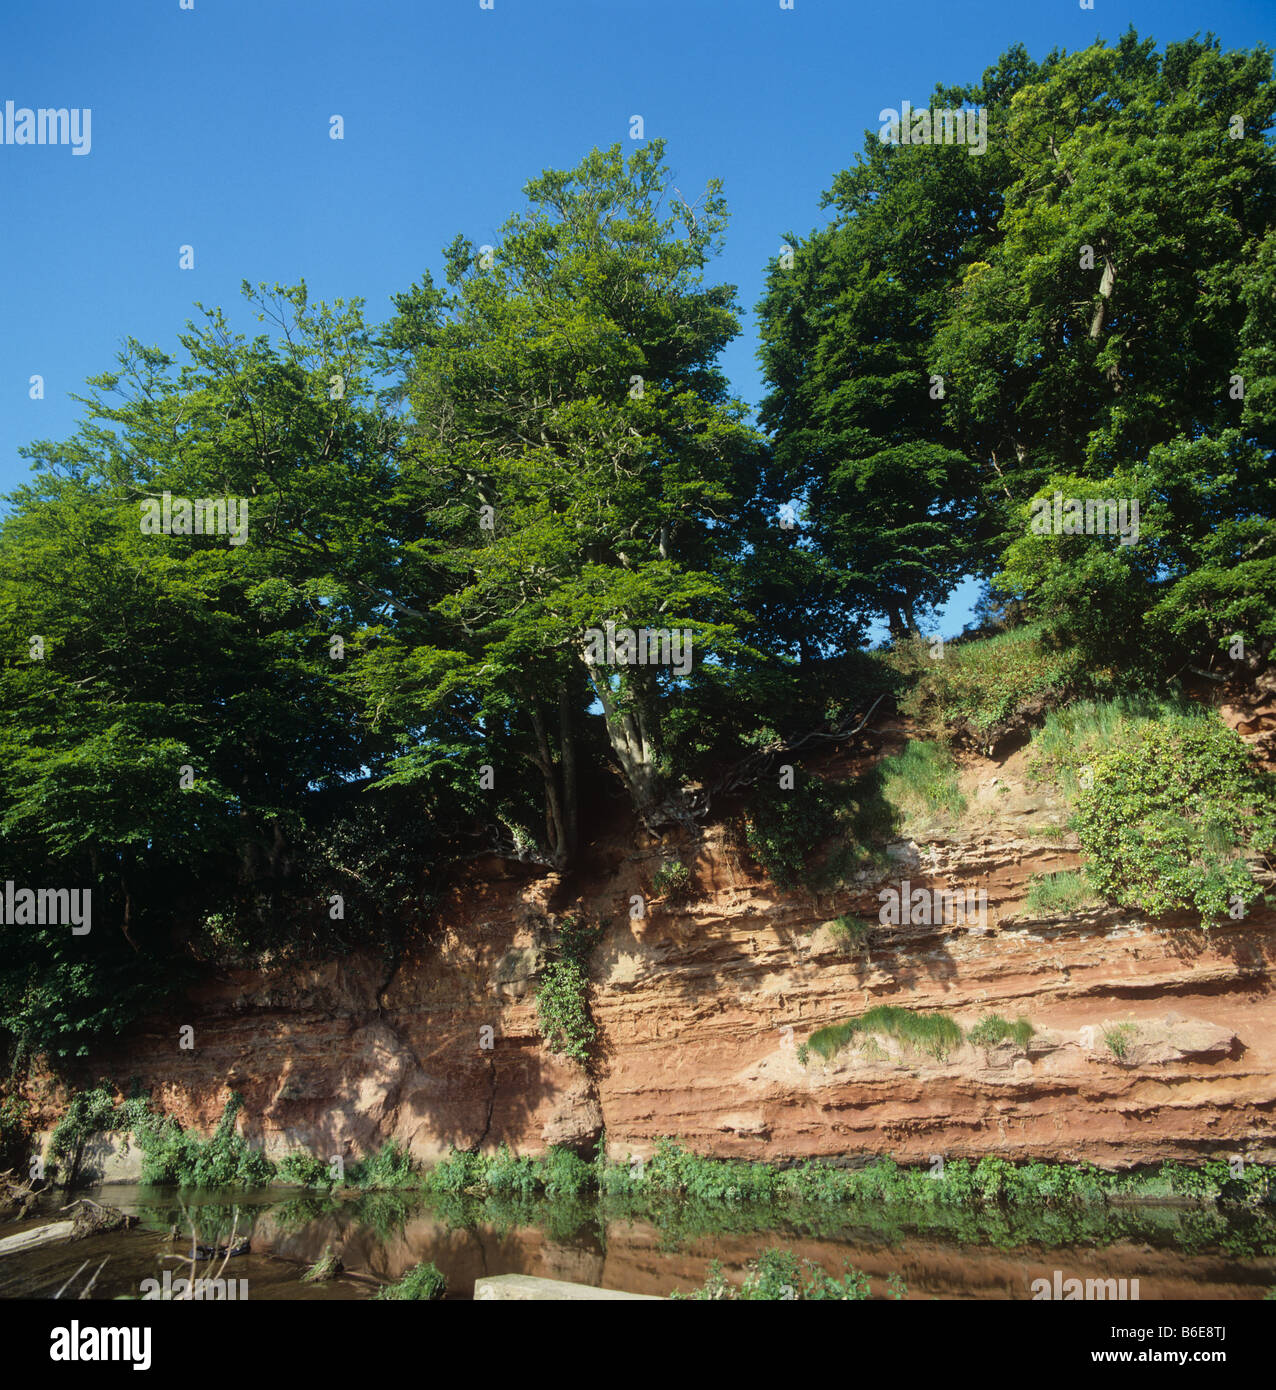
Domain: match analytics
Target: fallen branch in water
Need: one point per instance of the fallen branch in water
(88, 1288)
(95, 1219)
(40, 1235)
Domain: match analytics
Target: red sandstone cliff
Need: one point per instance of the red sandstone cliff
(700, 1008)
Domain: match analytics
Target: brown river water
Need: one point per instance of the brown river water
(1173, 1253)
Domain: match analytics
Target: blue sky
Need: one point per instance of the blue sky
(210, 128)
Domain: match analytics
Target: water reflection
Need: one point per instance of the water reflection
(657, 1247)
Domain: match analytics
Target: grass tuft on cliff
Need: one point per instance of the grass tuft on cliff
(920, 781)
(1055, 894)
(982, 683)
(849, 932)
(933, 1033)
(994, 1029)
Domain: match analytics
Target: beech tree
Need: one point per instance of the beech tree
(856, 407)
(179, 739)
(564, 392)
(1090, 300)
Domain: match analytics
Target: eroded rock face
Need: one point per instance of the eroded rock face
(702, 1007)
(1251, 711)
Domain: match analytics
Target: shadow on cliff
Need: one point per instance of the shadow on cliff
(466, 1088)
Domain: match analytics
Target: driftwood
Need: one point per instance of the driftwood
(88, 1288)
(90, 1219)
(37, 1236)
(21, 1195)
(95, 1219)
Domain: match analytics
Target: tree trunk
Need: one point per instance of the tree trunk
(1106, 282)
(567, 746)
(554, 827)
(633, 727)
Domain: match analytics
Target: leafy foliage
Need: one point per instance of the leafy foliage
(171, 1155)
(562, 997)
(301, 1169)
(673, 1173)
(1173, 811)
(672, 881)
(389, 1167)
(967, 334)
(1064, 749)
(174, 1156)
(784, 828)
(423, 1283)
(16, 1132)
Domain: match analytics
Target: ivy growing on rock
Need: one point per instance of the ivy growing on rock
(1175, 812)
(562, 998)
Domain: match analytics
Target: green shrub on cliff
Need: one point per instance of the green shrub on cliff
(390, 1166)
(93, 1112)
(301, 1169)
(458, 1172)
(88, 1113)
(1072, 737)
(557, 1173)
(15, 1132)
(172, 1155)
(784, 827)
(565, 1174)
(507, 1174)
(674, 1174)
(1174, 808)
(672, 881)
(562, 997)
